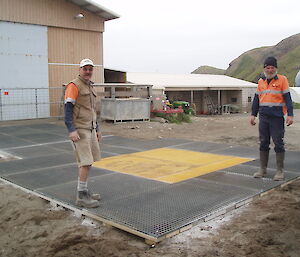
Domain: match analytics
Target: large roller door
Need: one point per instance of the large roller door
(24, 71)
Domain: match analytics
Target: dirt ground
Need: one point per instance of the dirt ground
(233, 129)
(269, 226)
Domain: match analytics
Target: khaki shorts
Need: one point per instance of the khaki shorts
(87, 150)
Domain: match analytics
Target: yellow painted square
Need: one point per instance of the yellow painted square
(169, 165)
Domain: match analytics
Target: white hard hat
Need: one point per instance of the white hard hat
(85, 62)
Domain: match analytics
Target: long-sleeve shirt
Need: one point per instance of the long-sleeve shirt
(268, 100)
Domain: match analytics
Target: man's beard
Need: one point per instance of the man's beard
(271, 76)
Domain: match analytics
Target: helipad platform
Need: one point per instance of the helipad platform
(151, 188)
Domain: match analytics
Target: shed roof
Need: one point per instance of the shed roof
(96, 8)
(165, 81)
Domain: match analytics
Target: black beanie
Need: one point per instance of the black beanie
(270, 61)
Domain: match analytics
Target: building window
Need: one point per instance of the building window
(233, 99)
(249, 99)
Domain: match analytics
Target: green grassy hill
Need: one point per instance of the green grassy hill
(249, 65)
(208, 70)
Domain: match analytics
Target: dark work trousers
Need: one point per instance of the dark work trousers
(271, 127)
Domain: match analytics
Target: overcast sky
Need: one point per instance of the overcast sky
(171, 36)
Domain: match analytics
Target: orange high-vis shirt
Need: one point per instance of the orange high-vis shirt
(71, 93)
(272, 94)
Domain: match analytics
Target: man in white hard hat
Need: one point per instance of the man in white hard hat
(81, 122)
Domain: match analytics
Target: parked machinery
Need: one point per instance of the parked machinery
(184, 105)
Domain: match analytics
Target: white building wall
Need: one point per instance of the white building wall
(246, 100)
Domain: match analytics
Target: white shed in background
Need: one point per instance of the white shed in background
(202, 90)
(24, 71)
(295, 91)
(297, 79)
(295, 94)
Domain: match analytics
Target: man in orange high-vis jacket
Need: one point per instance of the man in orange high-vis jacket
(272, 101)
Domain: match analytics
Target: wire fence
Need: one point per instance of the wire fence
(30, 103)
(36, 103)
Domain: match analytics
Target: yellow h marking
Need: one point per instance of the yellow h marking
(169, 165)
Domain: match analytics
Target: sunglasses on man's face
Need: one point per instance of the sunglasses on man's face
(87, 69)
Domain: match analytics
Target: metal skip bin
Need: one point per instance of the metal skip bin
(125, 109)
(125, 102)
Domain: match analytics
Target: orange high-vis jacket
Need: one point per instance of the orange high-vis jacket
(272, 94)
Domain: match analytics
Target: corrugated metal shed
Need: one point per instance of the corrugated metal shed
(41, 44)
(24, 71)
(196, 81)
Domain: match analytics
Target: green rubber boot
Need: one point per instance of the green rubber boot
(280, 162)
(264, 158)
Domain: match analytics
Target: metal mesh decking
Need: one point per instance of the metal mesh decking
(145, 207)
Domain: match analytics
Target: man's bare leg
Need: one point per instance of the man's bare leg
(84, 198)
(84, 173)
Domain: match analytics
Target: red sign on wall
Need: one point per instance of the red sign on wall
(5, 92)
